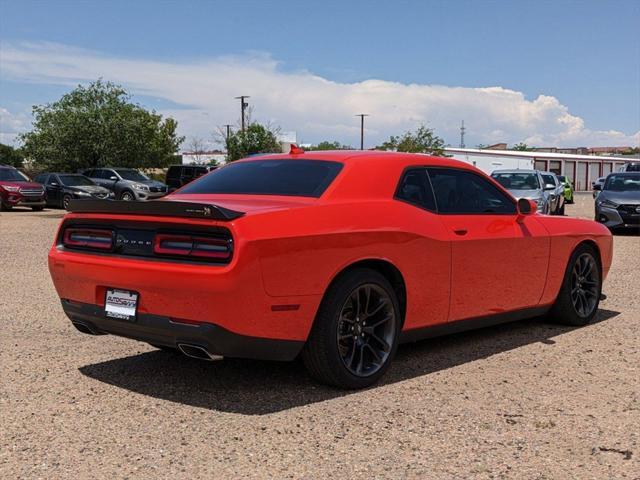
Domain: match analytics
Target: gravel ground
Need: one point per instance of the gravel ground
(526, 400)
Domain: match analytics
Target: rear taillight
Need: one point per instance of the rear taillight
(92, 238)
(192, 246)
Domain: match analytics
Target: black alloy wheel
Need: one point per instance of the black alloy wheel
(355, 333)
(65, 201)
(585, 285)
(579, 296)
(366, 330)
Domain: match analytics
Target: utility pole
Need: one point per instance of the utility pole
(462, 130)
(228, 127)
(243, 105)
(362, 115)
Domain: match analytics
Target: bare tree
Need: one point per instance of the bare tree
(197, 148)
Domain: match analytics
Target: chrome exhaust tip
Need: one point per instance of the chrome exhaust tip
(196, 351)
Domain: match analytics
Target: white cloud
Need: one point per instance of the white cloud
(315, 107)
(11, 124)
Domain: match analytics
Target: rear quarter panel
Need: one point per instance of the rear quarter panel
(302, 250)
(566, 234)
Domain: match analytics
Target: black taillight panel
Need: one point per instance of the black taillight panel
(85, 238)
(200, 245)
(192, 246)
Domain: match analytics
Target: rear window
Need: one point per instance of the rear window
(303, 178)
(548, 179)
(517, 181)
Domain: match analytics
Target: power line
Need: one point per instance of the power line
(362, 115)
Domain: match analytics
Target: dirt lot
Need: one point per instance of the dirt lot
(527, 400)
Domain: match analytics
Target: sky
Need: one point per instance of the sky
(547, 73)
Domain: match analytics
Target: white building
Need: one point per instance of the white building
(581, 170)
(286, 139)
(204, 158)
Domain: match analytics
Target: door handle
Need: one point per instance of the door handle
(460, 231)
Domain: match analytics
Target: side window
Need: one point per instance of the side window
(414, 188)
(107, 174)
(53, 179)
(188, 172)
(42, 178)
(97, 173)
(462, 192)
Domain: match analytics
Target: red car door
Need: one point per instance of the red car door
(499, 261)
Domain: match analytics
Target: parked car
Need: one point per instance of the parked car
(568, 189)
(525, 184)
(556, 192)
(180, 175)
(631, 167)
(337, 258)
(63, 187)
(127, 183)
(597, 186)
(16, 190)
(618, 204)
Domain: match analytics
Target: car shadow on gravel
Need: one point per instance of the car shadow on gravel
(258, 388)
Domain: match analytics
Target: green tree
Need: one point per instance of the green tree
(10, 156)
(326, 145)
(522, 147)
(255, 139)
(96, 126)
(423, 140)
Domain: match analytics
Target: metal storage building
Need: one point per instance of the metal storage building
(580, 169)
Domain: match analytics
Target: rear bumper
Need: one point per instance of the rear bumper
(228, 296)
(159, 330)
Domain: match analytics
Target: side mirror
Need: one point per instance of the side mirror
(54, 184)
(526, 206)
(597, 186)
(115, 179)
(549, 186)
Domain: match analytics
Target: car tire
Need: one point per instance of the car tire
(575, 305)
(4, 208)
(65, 201)
(342, 350)
(561, 211)
(127, 196)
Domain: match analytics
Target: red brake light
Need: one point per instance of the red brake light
(192, 246)
(88, 238)
(210, 248)
(172, 244)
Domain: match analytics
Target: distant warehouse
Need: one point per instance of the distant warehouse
(581, 170)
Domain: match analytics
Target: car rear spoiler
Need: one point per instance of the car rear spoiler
(164, 208)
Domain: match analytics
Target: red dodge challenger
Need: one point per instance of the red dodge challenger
(334, 256)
